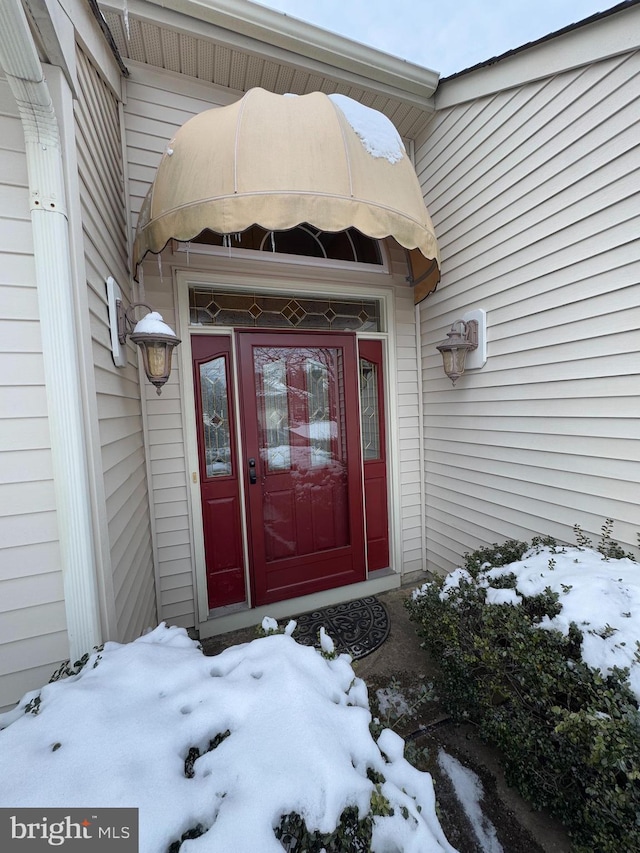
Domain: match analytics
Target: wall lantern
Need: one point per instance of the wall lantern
(153, 336)
(466, 336)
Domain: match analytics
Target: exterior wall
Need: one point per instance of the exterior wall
(408, 419)
(33, 631)
(122, 479)
(157, 104)
(169, 492)
(533, 193)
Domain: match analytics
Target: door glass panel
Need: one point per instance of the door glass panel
(369, 410)
(320, 423)
(302, 447)
(215, 417)
(275, 412)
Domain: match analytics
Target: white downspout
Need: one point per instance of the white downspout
(423, 454)
(47, 202)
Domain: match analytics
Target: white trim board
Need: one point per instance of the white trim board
(185, 278)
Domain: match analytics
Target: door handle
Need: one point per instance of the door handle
(252, 471)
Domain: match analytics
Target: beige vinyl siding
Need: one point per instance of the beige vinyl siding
(169, 477)
(33, 630)
(410, 453)
(101, 177)
(534, 196)
(157, 104)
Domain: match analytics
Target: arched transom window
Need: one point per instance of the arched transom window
(350, 245)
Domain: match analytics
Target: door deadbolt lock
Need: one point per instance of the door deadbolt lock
(252, 471)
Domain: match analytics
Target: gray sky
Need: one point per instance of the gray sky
(445, 35)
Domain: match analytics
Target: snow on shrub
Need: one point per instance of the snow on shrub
(599, 595)
(218, 750)
(539, 648)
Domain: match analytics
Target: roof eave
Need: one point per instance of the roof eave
(297, 37)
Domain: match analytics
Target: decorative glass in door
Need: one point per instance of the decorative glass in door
(369, 409)
(301, 449)
(215, 417)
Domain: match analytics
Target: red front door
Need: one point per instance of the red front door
(302, 462)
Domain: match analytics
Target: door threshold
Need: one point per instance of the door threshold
(228, 610)
(235, 616)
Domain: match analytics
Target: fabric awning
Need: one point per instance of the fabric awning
(280, 160)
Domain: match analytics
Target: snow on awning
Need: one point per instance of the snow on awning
(280, 160)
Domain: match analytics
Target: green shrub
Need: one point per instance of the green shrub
(568, 736)
(494, 555)
(352, 834)
(65, 670)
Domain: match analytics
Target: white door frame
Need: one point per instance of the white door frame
(317, 286)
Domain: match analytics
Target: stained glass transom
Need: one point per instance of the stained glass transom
(215, 417)
(369, 410)
(263, 311)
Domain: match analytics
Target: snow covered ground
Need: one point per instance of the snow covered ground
(272, 727)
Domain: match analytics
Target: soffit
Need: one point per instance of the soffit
(172, 40)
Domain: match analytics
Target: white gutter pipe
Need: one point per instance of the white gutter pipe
(19, 60)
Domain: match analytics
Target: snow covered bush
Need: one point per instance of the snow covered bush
(538, 648)
(263, 747)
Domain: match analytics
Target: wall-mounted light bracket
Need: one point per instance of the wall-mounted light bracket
(477, 357)
(114, 297)
(155, 339)
(465, 347)
(127, 320)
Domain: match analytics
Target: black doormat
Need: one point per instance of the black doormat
(356, 627)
